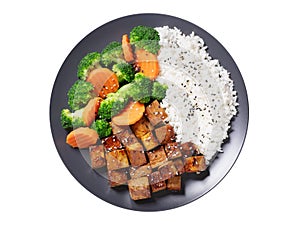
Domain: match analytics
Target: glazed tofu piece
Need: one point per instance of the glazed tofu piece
(194, 164)
(141, 171)
(136, 154)
(167, 170)
(157, 157)
(116, 159)
(165, 134)
(127, 138)
(117, 177)
(188, 149)
(112, 143)
(97, 156)
(178, 163)
(172, 150)
(155, 113)
(139, 188)
(116, 129)
(174, 183)
(156, 182)
(142, 127)
(149, 141)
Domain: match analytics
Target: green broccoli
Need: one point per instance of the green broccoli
(112, 53)
(112, 105)
(141, 88)
(71, 120)
(146, 38)
(102, 127)
(79, 94)
(87, 64)
(159, 91)
(124, 72)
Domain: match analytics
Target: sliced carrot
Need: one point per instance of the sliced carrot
(90, 111)
(104, 81)
(132, 113)
(148, 63)
(127, 49)
(82, 137)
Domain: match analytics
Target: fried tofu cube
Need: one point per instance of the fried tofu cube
(97, 155)
(157, 157)
(155, 113)
(149, 141)
(174, 183)
(178, 163)
(139, 188)
(194, 164)
(156, 182)
(127, 138)
(188, 149)
(116, 129)
(165, 134)
(172, 150)
(141, 171)
(117, 177)
(112, 143)
(116, 159)
(136, 154)
(167, 170)
(141, 127)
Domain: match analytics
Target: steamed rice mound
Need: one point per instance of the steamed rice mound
(200, 100)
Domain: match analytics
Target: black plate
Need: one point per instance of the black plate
(194, 187)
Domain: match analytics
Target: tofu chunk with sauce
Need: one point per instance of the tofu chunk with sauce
(173, 150)
(149, 141)
(117, 177)
(165, 134)
(136, 154)
(141, 171)
(142, 127)
(97, 156)
(157, 157)
(167, 170)
(156, 182)
(116, 159)
(194, 164)
(174, 183)
(155, 113)
(139, 188)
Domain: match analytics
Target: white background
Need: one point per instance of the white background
(261, 189)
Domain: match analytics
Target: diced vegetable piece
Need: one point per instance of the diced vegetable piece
(147, 63)
(82, 137)
(90, 111)
(132, 113)
(104, 81)
(127, 49)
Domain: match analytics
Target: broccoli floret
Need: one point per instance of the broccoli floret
(159, 91)
(112, 53)
(112, 105)
(146, 38)
(71, 120)
(124, 72)
(79, 94)
(87, 64)
(141, 88)
(102, 127)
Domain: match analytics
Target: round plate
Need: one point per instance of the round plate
(194, 187)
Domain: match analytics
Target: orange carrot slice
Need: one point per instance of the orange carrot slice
(148, 63)
(90, 111)
(132, 113)
(104, 81)
(82, 137)
(127, 49)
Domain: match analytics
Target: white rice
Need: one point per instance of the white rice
(200, 100)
